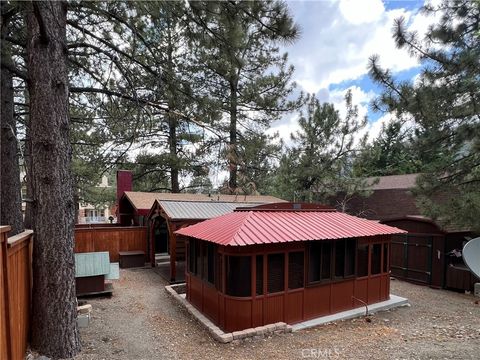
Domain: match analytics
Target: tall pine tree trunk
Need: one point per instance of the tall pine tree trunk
(54, 327)
(232, 146)
(172, 121)
(172, 142)
(10, 196)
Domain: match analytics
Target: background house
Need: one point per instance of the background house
(426, 255)
(91, 214)
(164, 213)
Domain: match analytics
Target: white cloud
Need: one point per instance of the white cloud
(339, 37)
(359, 98)
(360, 12)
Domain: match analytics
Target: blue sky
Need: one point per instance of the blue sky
(337, 38)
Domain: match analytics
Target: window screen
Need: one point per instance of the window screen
(376, 258)
(339, 258)
(198, 258)
(259, 273)
(362, 260)
(326, 272)
(345, 258)
(194, 255)
(219, 274)
(204, 267)
(385, 257)
(211, 263)
(350, 247)
(239, 275)
(276, 273)
(295, 270)
(319, 261)
(314, 260)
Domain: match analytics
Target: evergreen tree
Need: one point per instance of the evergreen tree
(54, 311)
(240, 67)
(444, 105)
(319, 164)
(10, 187)
(391, 153)
(258, 155)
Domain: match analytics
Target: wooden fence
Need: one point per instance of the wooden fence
(111, 239)
(15, 293)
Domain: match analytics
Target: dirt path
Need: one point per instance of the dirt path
(142, 322)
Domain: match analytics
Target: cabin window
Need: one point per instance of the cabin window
(295, 270)
(239, 276)
(385, 258)
(211, 263)
(219, 275)
(276, 273)
(198, 258)
(350, 250)
(201, 259)
(194, 256)
(376, 266)
(319, 261)
(362, 260)
(259, 275)
(204, 263)
(345, 258)
(339, 258)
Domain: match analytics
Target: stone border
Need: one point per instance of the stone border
(217, 333)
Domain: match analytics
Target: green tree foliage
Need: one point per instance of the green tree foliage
(391, 153)
(241, 70)
(444, 103)
(319, 164)
(258, 157)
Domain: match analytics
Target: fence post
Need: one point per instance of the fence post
(6, 296)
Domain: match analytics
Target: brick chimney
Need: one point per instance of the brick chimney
(124, 182)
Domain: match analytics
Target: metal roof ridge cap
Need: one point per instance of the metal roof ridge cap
(236, 235)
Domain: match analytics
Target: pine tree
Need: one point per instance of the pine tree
(10, 187)
(444, 105)
(54, 326)
(391, 153)
(240, 69)
(319, 163)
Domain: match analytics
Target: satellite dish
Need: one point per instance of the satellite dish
(471, 256)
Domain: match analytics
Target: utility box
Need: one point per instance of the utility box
(477, 289)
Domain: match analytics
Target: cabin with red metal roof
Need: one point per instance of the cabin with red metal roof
(285, 262)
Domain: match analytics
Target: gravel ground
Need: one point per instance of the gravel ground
(141, 321)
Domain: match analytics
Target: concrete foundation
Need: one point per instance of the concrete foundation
(395, 301)
(177, 292)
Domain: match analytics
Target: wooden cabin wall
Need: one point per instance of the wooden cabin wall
(310, 301)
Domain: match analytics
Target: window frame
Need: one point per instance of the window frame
(284, 276)
(227, 259)
(288, 270)
(321, 280)
(334, 256)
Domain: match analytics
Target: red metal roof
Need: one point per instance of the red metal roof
(265, 227)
